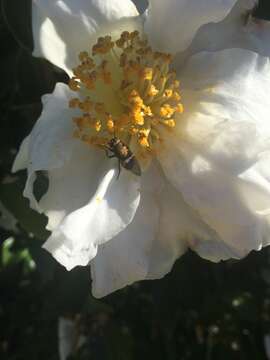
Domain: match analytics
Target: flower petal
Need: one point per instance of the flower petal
(51, 142)
(214, 249)
(220, 138)
(149, 246)
(180, 20)
(225, 203)
(72, 185)
(63, 28)
(235, 31)
(125, 259)
(227, 107)
(74, 242)
(47, 42)
(178, 226)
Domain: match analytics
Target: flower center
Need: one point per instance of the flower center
(125, 90)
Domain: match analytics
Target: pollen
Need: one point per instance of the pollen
(110, 124)
(98, 126)
(126, 90)
(170, 123)
(153, 91)
(167, 111)
(146, 73)
(143, 141)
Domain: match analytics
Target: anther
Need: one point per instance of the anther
(74, 84)
(73, 103)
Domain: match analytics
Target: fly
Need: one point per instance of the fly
(125, 157)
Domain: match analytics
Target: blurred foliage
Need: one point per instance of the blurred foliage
(199, 311)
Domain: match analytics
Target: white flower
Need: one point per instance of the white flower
(205, 180)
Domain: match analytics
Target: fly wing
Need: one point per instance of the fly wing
(133, 165)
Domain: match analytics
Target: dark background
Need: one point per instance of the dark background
(199, 311)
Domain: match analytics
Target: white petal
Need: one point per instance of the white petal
(220, 138)
(72, 185)
(178, 226)
(182, 222)
(125, 259)
(221, 200)
(47, 42)
(235, 31)
(214, 249)
(226, 107)
(21, 159)
(113, 206)
(180, 20)
(63, 28)
(260, 171)
(51, 142)
(149, 246)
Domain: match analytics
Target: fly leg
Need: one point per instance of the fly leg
(110, 156)
(119, 169)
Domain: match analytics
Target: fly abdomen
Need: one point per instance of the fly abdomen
(124, 155)
(132, 164)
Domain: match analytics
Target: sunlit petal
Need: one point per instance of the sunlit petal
(64, 28)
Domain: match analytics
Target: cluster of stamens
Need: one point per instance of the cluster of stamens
(125, 90)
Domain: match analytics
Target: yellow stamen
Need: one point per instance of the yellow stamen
(137, 117)
(74, 84)
(168, 93)
(73, 103)
(110, 124)
(98, 126)
(86, 105)
(146, 73)
(170, 123)
(179, 108)
(125, 90)
(153, 91)
(176, 96)
(143, 141)
(166, 111)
